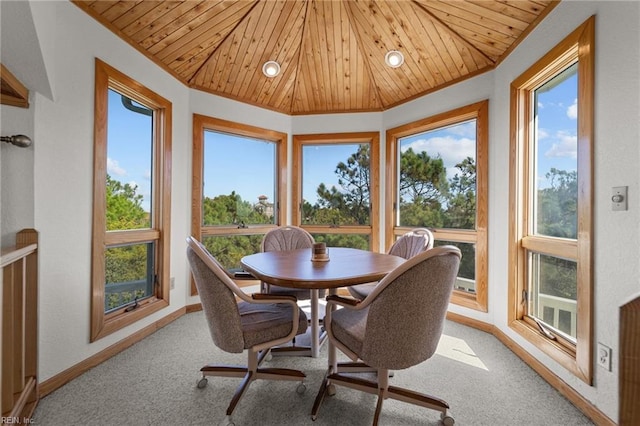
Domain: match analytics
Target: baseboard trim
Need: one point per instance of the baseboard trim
(196, 307)
(59, 380)
(587, 408)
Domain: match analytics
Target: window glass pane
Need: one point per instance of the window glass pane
(553, 287)
(466, 280)
(335, 184)
(437, 182)
(239, 180)
(555, 156)
(358, 241)
(228, 250)
(129, 274)
(129, 163)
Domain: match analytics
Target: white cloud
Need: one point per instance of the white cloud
(572, 111)
(147, 174)
(566, 145)
(542, 134)
(113, 168)
(450, 149)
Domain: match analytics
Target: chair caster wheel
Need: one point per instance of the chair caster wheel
(269, 357)
(302, 388)
(202, 383)
(313, 418)
(228, 421)
(447, 420)
(331, 390)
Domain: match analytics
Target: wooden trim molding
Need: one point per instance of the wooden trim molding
(576, 47)
(629, 382)
(478, 236)
(12, 92)
(372, 230)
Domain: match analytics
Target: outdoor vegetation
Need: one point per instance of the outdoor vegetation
(427, 199)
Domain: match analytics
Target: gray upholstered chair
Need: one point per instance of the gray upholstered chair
(408, 245)
(396, 327)
(288, 238)
(256, 323)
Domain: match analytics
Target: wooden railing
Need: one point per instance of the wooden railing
(19, 391)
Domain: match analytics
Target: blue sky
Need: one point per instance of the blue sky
(248, 167)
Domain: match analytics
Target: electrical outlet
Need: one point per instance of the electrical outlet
(172, 282)
(604, 356)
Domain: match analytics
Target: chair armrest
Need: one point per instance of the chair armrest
(274, 297)
(343, 301)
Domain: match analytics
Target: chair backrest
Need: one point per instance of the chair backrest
(407, 313)
(413, 242)
(286, 238)
(218, 300)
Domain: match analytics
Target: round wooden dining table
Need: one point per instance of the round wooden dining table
(295, 269)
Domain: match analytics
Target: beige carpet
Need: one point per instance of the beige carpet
(154, 383)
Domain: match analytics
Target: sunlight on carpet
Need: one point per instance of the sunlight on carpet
(458, 350)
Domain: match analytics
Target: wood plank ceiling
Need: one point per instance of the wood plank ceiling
(331, 52)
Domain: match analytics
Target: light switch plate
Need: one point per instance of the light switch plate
(619, 198)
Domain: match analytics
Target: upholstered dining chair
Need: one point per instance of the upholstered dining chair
(256, 323)
(396, 327)
(408, 245)
(288, 238)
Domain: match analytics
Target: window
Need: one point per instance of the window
(239, 187)
(437, 178)
(335, 181)
(131, 205)
(550, 254)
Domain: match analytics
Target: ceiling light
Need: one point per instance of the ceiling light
(271, 68)
(394, 58)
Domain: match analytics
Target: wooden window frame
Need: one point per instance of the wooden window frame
(103, 324)
(201, 123)
(578, 358)
(480, 112)
(371, 138)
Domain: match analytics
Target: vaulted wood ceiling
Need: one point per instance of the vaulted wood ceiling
(331, 52)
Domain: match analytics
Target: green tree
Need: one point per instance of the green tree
(349, 206)
(461, 202)
(557, 215)
(557, 208)
(423, 189)
(233, 210)
(127, 263)
(124, 207)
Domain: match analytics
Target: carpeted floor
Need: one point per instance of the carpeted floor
(154, 383)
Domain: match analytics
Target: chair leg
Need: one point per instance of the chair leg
(320, 397)
(376, 416)
(239, 392)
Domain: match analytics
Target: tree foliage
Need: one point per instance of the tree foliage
(128, 263)
(428, 198)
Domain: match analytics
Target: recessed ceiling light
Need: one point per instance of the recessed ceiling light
(271, 69)
(394, 58)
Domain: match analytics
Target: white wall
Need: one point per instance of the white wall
(62, 170)
(63, 144)
(616, 155)
(16, 174)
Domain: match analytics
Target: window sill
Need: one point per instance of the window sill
(105, 326)
(553, 349)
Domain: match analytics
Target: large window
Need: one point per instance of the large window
(437, 178)
(239, 190)
(551, 218)
(335, 188)
(132, 164)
